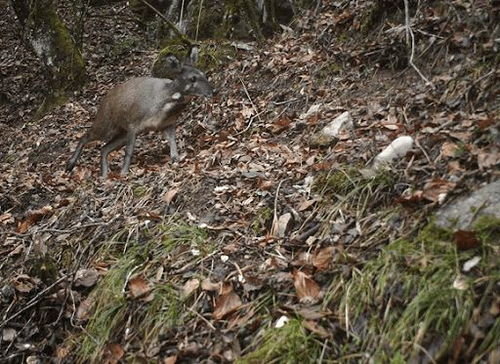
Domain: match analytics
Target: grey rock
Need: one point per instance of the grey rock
(462, 213)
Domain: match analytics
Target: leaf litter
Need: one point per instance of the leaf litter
(257, 239)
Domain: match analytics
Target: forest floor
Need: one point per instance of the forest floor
(261, 244)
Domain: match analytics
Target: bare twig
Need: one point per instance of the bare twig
(412, 52)
(250, 99)
(171, 25)
(208, 323)
(198, 20)
(34, 300)
(249, 124)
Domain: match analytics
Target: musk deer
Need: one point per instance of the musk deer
(142, 104)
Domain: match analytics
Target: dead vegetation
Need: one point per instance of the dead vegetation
(257, 246)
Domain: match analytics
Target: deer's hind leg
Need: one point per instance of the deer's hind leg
(115, 143)
(129, 150)
(78, 151)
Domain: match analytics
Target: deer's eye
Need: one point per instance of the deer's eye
(193, 79)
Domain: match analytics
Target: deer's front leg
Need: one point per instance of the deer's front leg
(170, 135)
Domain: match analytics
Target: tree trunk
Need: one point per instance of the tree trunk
(48, 37)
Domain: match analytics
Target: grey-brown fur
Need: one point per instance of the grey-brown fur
(142, 104)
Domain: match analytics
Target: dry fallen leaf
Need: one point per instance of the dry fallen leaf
(307, 289)
(281, 124)
(449, 149)
(304, 205)
(9, 334)
(460, 283)
(86, 277)
(437, 189)
(208, 285)
(139, 288)
(252, 283)
(410, 197)
(322, 259)
(112, 353)
(6, 218)
(465, 240)
(303, 259)
(313, 312)
(33, 217)
(62, 352)
(170, 360)
(281, 225)
(169, 196)
(227, 302)
(315, 328)
(24, 283)
(83, 311)
(488, 158)
(190, 286)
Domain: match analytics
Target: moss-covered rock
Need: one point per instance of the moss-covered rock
(211, 55)
(175, 46)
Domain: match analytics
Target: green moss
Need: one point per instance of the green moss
(405, 298)
(211, 56)
(175, 46)
(432, 233)
(183, 234)
(140, 191)
(44, 268)
(345, 181)
(262, 220)
(488, 229)
(124, 46)
(337, 182)
(111, 308)
(162, 313)
(54, 99)
(288, 344)
(460, 151)
(327, 70)
(250, 9)
(371, 17)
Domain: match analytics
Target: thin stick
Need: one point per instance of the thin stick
(208, 323)
(412, 53)
(198, 20)
(181, 15)
(250, 99)
(169, 23)
(34, 300)
(249, 124)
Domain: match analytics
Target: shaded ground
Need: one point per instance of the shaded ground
(201, 259)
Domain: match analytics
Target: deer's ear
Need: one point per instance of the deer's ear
(173, 62)
(193, 55)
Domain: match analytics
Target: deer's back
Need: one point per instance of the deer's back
(139, 104)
